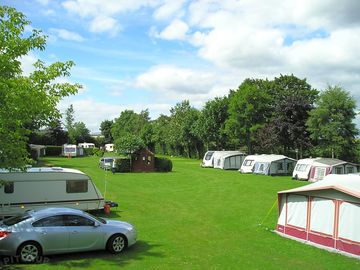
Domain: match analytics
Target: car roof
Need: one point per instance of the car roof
(54, 210)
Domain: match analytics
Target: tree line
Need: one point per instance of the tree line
(280, 116)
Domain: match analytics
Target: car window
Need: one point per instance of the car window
(75, 220)
(53, 221)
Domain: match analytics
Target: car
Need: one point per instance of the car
(47, 231)
(107, 163)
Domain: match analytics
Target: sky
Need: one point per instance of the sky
(152, 54)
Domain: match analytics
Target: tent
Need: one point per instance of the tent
(217, 157)
(274, 165)
(230, 161)
(324, 166)
(325, 213)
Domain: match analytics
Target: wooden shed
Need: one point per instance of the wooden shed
(143, 160)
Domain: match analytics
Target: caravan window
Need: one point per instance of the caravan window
(209, 155)
(9, 187)
(301, 167)
(248, 162)
(76, 186)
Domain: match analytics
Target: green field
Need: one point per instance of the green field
(195, 218)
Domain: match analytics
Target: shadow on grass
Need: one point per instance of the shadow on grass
(89, 260)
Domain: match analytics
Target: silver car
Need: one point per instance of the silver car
(61, 230)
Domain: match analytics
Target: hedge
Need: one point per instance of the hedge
(52, 150)
(163, 164)
(122, 165)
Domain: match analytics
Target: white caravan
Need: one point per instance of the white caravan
(302, 168)
(249, 163)
(52, 186)
(109, 147)
(86, 145)
(72, 150)
(208, 160)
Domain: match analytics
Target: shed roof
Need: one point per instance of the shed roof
(346, 183)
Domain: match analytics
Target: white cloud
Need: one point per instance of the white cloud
(103, 14)
(43, 2)
(176, 30)
(104, 24)
(170, 9)
(66, 34)
(27, 62)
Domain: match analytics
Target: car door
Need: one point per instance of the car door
(84, 233)
(52, 234)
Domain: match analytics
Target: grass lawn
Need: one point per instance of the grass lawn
(195, 218)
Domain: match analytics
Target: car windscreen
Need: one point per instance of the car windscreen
(16, 219)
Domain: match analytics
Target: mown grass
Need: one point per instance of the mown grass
(195, 218)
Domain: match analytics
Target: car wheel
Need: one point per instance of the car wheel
(29, 252)
(117, 243)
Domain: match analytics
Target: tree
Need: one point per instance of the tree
(134, 124)
(25, 100)
(331, 124)
(128, 144)
(293, 99)
(105, 128)
(248, 112)
(183, 129)
(81, 133)
(211, 123)
(161, 129)
(69, 123)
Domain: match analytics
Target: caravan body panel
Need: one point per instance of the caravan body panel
(39, 187)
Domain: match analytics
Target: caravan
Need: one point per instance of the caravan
(53, 186)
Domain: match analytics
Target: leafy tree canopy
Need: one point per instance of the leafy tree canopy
(25, 100)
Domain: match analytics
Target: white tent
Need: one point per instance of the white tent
(274, 165)
(230, 161)
(217, 157)
(325, 213)
(302, 168)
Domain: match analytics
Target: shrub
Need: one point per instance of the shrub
(52, 150)
(98, 152)
(163, 164)
(88, 151)
(122, 165)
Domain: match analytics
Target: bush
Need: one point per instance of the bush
(52, 150)
(163, 164)
(122, 165)
(98, 152)
(89, 151)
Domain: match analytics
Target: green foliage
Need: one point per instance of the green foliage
(25, 101)
(130, 125)
(161, 129)
(293, 98)
(128, 144)
(89, 151)
(163, 164)
(210, 125)
(248, 112)
(52, 150)
(122, 165)
(105, 128)
(331, 124)
(98, 152)
(182, 135)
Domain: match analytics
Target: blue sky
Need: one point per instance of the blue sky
(151, 54)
